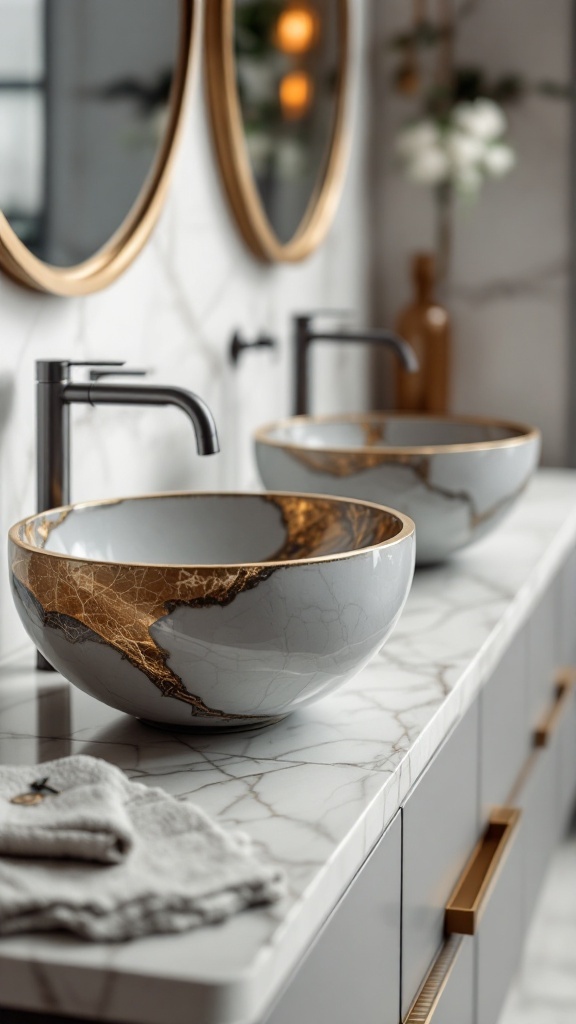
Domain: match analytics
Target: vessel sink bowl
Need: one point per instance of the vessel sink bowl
(211, 610)
(455, 476)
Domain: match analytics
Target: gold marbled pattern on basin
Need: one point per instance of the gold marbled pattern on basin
(345, 464)
(317, 527)
(422, 469)
(379, 446)
(455, 476)
(374, 432)
(119, 603)
(37, 530)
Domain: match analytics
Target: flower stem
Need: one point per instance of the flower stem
(444, 194)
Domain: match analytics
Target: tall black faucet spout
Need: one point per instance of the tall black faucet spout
(402, 349)
(150, 394)
(56, 393)
(305, 335)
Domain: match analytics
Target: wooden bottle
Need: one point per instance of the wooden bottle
(426, 325)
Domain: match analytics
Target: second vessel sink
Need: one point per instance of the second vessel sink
(455, 476)
(211, 610)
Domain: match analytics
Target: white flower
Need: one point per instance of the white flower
(469, 181)
(464, 150)
(429, 167)
(420, 146)
(483, 118)
(417, 138)
(499, 159)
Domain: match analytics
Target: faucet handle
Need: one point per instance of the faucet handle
(348, 313)
(96, 362)
(97, 374)
(56, 371)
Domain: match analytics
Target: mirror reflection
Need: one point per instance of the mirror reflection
(84, 94)
(289, 55)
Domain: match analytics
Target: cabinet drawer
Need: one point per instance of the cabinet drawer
(352, 972)
(546, 794)
(440, 826)
(538, 799)
(543, 654)
(487, 904)
(505, 729)
(567, 760)
(447, 996)
(500, 936)
(567, 612)
(546, 790)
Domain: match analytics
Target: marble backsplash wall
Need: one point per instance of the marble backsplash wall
(174, 312)
(508, 292)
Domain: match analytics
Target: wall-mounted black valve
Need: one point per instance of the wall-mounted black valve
(239, 345)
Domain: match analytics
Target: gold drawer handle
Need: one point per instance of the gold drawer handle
(426, 1002)
(469, 899)
(545, 730)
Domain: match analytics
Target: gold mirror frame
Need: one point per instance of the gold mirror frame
(227, 127)
(123, 246)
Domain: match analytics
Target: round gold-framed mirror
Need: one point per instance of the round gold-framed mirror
(93, 94)
(277, 73)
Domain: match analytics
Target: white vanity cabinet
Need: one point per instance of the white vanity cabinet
(447, 997)
(526, 772)
(446, 837)
(506, 733)
(351, 973)
(439, 828)
(566, 610)
(490, 806)
(566, 756)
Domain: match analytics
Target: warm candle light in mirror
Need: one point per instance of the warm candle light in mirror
(278, 82)
(297, 30)
(296, 92)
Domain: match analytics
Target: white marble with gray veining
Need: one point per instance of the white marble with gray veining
(314, 792)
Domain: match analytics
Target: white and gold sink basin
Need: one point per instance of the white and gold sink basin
(455, 476)
(211, 610)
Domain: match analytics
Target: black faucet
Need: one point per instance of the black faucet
(305, 335)
(56, 393)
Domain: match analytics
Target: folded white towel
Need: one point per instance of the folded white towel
(86, 820)
(143, 862)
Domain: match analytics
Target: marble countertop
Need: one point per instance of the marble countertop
(314, 792)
